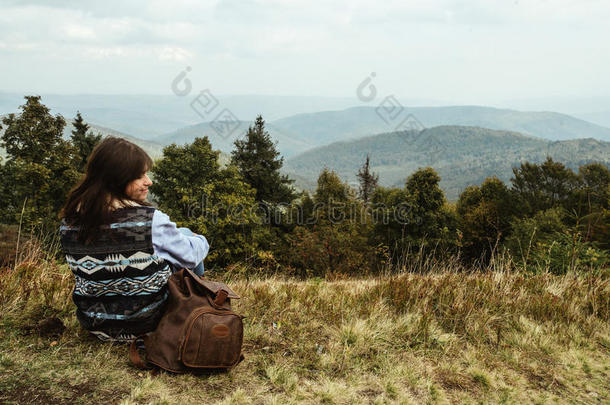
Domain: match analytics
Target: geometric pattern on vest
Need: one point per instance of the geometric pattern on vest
(113, 262)
(120, 284)
(123, 286)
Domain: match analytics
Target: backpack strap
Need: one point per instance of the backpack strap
(221, 297)
(135, 357)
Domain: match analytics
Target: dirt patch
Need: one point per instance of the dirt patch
(26, 395)
(50, 327)
(79, 393)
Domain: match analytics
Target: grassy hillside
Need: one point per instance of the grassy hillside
(461, 155)
(330, 126)
(443, 337)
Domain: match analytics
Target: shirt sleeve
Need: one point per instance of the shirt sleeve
(174, 246)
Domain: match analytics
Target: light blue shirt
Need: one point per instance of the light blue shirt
(174, 246)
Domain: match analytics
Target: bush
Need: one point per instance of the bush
(545, 243)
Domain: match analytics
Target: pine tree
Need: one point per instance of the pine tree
(539, 187)
(368, 181)
(83, 141)
(426, 199)
(40, 166)
(484, 214)
(33, 134)
(259, 163)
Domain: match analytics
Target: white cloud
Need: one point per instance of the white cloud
(105, 52)
(78, 32)
(174, 54)
(434, 49)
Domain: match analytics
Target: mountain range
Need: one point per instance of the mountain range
(299, 123)
(461, 155)
(464, 143)
(300, 132)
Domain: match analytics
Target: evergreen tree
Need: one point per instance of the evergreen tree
(540, 187)
(83, 141)
(431, 222)
(426, 199)
(485, 213)
(41, 165)
(259, 163)
(368, 181)
(33, 134)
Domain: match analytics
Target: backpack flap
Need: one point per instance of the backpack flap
(214, 286)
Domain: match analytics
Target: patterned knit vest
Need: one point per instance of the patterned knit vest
(120, 284)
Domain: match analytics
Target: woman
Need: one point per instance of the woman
(120, 248)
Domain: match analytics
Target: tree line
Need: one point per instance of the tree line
(548, 218)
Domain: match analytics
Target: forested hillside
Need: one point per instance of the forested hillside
(462, 156)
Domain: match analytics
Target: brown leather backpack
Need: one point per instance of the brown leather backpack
(198, 330)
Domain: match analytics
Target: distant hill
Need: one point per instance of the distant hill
(296, 122)
(301, 132)
(150, 116)
(140, 115)
(330, 126)
(461, 155)
(288, 144)
(154, 149)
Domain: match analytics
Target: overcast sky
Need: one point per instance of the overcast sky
(464, 52)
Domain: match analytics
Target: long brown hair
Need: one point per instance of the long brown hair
(113, 164)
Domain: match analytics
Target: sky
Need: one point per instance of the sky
(427, 52)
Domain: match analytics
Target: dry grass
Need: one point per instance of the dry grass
(442, 337)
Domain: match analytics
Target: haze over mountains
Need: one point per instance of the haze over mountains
(288, 143)
(300, 132)
(150, 116)
(464, 143)
(332, 126)
(311, 120)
